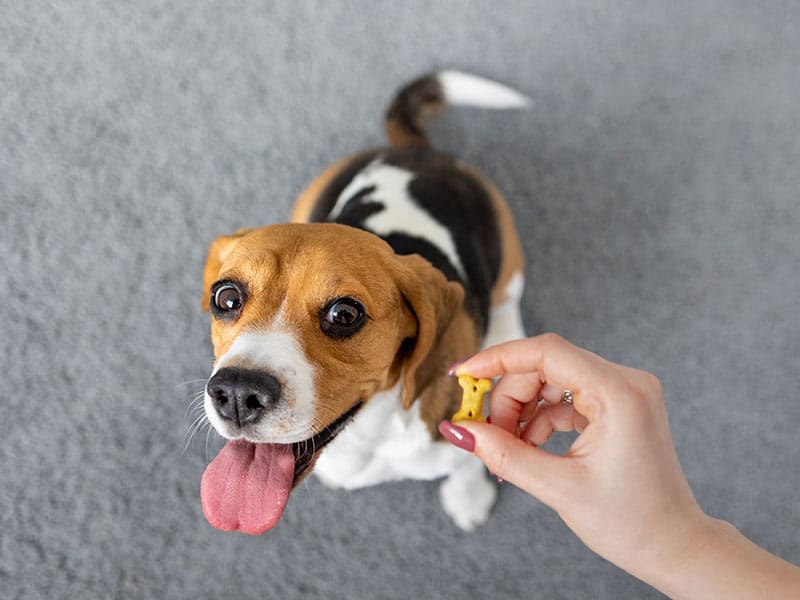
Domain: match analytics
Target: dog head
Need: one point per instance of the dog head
(309, 321)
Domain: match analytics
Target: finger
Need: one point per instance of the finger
(557, 362)
(509, 398)
(550, 418)
(544, 475)
(519, 356)
(552, 394)
(528, 411)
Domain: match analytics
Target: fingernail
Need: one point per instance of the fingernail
(458, 436)
(451, 370)
(489, 419)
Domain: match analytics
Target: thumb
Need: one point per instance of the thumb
(541, 474)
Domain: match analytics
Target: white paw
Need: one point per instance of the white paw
(340, 471)
(468, 497)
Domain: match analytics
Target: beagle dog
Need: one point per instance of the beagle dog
(333, 333)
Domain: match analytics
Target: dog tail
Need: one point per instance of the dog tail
(419, 101)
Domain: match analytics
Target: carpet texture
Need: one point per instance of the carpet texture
(655, 182)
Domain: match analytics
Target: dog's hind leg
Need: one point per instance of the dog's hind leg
(505, 319)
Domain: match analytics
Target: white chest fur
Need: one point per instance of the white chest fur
(385, 443)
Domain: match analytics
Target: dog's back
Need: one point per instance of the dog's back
(424, 202)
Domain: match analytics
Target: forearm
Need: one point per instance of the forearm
(721, 563)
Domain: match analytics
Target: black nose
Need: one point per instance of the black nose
(242, 395)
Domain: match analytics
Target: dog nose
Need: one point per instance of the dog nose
(241, 395)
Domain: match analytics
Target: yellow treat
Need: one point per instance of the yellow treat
(472, 398)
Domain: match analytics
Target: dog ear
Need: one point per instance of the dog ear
(433, 301)
(217, 253)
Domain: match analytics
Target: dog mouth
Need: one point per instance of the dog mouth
(246, 487)
(305, 452)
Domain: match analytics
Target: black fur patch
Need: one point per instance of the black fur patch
(330, 194)
(475, 303)
(453, 198)
(359, 208)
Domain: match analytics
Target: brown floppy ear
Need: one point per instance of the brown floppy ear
(433, 301)
(217, 253)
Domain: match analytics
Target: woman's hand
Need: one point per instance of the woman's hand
(620, 486)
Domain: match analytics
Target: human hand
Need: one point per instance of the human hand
(620, 487)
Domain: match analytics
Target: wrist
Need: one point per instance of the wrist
(717, 561)
(672, 550)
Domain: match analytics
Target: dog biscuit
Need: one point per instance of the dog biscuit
(472, 398)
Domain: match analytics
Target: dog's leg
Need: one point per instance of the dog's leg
(468, 495)
(505, 319)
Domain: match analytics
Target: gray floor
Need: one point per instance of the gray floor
(655, 181)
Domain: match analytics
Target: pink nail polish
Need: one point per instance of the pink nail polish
(458, 436)
(451, 370)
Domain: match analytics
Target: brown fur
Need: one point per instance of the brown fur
(298, 269)
(441, 394)
(399, 135)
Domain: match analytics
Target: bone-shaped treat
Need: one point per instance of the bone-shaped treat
(472, 398)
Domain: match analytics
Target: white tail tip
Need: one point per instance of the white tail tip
(470, 90)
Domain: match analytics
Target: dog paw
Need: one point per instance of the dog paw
(468, 498)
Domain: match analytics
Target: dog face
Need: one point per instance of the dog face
(308, 322)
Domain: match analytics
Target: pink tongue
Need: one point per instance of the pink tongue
(247, 485)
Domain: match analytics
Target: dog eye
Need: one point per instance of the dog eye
(343, 317)
(227, 300)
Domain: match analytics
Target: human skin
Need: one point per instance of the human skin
(620, 487)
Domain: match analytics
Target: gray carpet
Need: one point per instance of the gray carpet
(656, 182)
